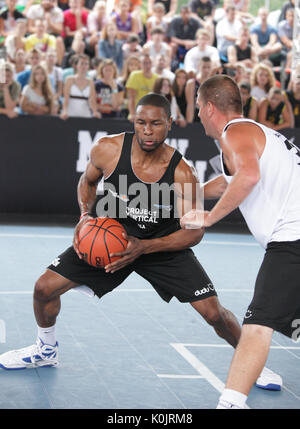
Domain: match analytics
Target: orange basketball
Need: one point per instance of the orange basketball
(100, 237)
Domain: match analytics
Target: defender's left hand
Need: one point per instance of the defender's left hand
(135, 248)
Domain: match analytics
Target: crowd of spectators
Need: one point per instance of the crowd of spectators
(88, 58)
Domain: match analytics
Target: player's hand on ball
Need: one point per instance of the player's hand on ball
(194, 219)
(135, 248)
(78, 227)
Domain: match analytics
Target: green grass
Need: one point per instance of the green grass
(253, 9)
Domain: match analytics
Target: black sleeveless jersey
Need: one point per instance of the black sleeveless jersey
(274, 116)
(146, 210)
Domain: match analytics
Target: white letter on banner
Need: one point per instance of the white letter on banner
(85, 145)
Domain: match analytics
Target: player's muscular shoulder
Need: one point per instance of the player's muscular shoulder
(243, 136)
(185, 173)
(105, 153)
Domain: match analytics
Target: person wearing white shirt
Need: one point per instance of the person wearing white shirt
(203, 49)
(54, 17)
(161, 68)
(227, 31)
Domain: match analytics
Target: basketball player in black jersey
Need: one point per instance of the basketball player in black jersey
(158, 249)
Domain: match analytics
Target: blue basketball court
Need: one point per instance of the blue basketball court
(131, 350)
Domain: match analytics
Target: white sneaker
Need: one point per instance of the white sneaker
(38, 354)
(269, 380)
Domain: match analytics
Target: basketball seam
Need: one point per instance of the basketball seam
(93, 242)
(107, 230)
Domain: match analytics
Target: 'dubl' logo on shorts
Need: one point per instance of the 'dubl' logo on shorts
(205, 290)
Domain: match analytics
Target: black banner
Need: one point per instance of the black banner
(42, 159)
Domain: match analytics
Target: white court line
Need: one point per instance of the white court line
(228, 346)
(63, 236)
(178, 376)
(14, 235)
(229, 243)
(199, 366)
(202, 369)
(26, 292)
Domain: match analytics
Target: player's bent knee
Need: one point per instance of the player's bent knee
(256, 331)
(213, 317)
(42, 289)
(210, 310)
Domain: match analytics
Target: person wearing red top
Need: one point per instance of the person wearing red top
(75, 25)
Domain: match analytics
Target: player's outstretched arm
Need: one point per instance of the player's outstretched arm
(189, 198)
(214, 188)
(242, 147)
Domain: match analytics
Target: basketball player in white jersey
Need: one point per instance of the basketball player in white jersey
(261, 176)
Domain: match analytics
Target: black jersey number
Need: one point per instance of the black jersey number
(293, 147)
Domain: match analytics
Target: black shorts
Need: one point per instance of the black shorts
(171, 274)
(276, 300)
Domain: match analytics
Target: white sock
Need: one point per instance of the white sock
(232, 399)
(47, 335)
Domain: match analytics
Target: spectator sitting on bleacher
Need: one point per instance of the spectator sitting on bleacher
(242, 10)
(262, 79)
(286, 5)
(274, 112)
(9, 93)
(162, 69)
(156, 46)
(206, 70)
(294, 97)
(264, 39)
(55, 75)
(126, 24)
(54, 17)
(48, 10)
(250, 105)
(109, 46)
(204, 11)
(40, 39)
(157, 19)
(131, 46)
(134, 9)
(182, 35)
(16, 40)
(109, 93)
(131, 64)
(179, 90)
(285, 33)
(140, 83)
(242, 51)
(75, 27)
(227, 31)
(203, 49)
(19, 65)
(170, 7)
(8, 18)
(240, 73)
(34, 57)
(163, 86)
(71, 70)
(79, 92)
(37, 97)
(95, 23)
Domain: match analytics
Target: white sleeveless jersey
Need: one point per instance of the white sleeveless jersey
(272, 209)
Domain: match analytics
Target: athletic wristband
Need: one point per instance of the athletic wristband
(83, 214)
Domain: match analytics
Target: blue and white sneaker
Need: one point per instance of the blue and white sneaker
(39, 354)
(269, 380)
